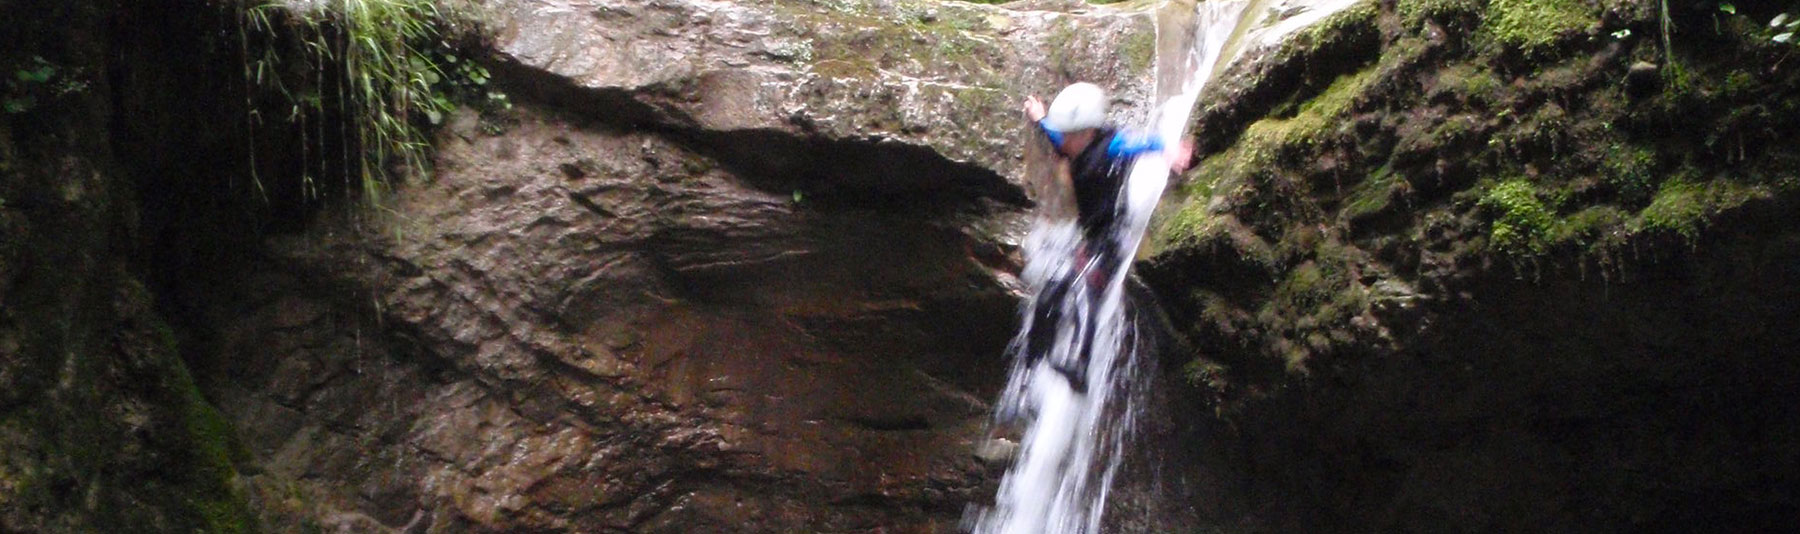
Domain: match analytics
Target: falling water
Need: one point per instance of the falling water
(1072, 440)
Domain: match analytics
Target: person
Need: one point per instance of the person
(1097, 158)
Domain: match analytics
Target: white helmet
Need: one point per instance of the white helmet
(1079, 106)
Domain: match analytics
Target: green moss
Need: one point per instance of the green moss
(1061, 42)
(1574, 178)
(1207, 373)
(1315, 118)
(1680, 208)
(1452, 13)
(1475, 84)
(1336, 99)
(1631, 171)
(1372, 195)
(133, 432)
(1521, 223)
(1264, 146)
(1305, 287)
(1593, 227)
(208, 451)
(1535, 26)
(1190, 224)
(1338, 28)
(1683, 206)
(1139, 50)
(1545, 131)
(1743, 84)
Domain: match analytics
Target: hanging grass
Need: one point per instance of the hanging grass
(378, 72)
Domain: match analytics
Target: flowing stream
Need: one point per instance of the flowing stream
(1073, 440)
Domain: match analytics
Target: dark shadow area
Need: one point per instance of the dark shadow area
(1662, 400)
(216, 161)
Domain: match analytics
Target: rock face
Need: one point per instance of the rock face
(940, 75)
(743, 267)
(726, 268)
(102, 428)
(1451, 272)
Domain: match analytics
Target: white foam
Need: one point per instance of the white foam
(1071, 445)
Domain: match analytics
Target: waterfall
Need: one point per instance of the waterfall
(1072, 441)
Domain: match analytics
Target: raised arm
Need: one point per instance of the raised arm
(1034, 112)
(1132, 144)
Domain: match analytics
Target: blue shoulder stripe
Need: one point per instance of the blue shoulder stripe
(1127, 144)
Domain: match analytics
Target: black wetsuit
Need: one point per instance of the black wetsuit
(1098, 174)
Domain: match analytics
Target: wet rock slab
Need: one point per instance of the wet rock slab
(726, 268)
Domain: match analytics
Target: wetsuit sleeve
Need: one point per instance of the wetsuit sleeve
(1055, 137)
(1128, 144)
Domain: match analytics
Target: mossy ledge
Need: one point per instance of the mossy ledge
(1462, 236)
(1445, 124)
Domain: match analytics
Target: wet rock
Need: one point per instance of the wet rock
(732, 267)
(1643, 79)
(942, 76)
(997, 452)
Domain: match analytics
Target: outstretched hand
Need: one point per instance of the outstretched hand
(1181, 155)
(1034, 108)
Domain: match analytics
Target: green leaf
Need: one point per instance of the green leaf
(19, 105)
(39, 75)
(1789, 36)
(1778, 20)
(435, 116)
(1728, 8)
(798, 197)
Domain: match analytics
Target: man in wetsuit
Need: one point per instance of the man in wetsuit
(1097, 158)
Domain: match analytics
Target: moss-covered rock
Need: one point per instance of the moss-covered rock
(1411, 244)
(1534, 26)
(101, 426)
(1521, 222)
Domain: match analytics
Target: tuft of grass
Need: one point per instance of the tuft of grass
(384, 68)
